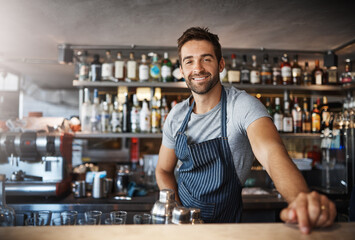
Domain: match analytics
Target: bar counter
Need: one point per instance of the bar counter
(270, 231)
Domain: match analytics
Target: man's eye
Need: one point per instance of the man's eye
(207, 60)
(188, 62)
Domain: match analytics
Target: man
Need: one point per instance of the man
(216, 133)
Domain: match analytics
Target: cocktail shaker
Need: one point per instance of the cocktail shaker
(163, 208)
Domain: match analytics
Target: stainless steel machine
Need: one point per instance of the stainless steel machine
(36, 164)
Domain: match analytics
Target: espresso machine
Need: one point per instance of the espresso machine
(36, 164)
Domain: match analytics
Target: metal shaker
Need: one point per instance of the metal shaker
(181, 215)
(195, 216)
(79, 189)
(163, 208)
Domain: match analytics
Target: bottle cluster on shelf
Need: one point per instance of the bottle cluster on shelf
(296, 118)
(128, 70)
(130, 116)
(284, 73)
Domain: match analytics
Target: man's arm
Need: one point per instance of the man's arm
(308, 209)
(164, 171)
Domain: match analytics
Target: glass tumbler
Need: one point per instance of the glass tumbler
(116, 215)
(46, 217)
(68, 217)
(143, 218)
(94, 214)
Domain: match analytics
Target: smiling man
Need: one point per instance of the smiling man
(216, 133)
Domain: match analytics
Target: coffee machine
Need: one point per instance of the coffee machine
(36, 164)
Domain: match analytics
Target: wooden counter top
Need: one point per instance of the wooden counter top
(270, 231)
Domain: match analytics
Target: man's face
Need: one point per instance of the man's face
(199, 66)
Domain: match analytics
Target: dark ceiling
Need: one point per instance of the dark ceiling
(31, 30)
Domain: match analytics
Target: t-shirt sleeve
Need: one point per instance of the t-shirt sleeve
(168, 131)
(248, 109)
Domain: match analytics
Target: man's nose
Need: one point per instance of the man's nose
(198, 67)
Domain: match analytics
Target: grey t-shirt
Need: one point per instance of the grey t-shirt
(242, 110)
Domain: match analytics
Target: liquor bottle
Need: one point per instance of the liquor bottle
(85, 113)
(245, 72)
(234, 71)
(176, 72)
(306, 118)
(278, 115)
(331, 62)
(116, 118)
(316, 117)
(7, 214)
(317, 74)
(266, 71)
(297, 117)
(164, 111)
(223, 76)
(276, 72)
(296, 71)
(106, 115)
(325, 114)
(332, 75)
(286, 73)
(107, 67)
(119, 68)
(143, 69)
(95, 113)
(83, 67)
(131, 68)
(126, 118)
(144, 118)
(268, 106)
(96, 68)
(346, 77)
(307, 75)
(135, 111)
(166, 69)
(156, 117)
(255, 71)
(287, 120)
(155, 69)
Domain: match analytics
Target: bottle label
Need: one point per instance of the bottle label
(318, 77)
(165, 71)
(155, 71)
(107, 70)
(296, 72)
(278, 121)
(286, 71)
(144, 122)
(83, 72)
(254, 76)
(177, 73)
(315, 122)
(132, 70)
(287, 124)
(119, 65)
(233, 76)
(143, 73)
(245, 77)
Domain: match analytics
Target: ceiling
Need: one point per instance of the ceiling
(31, 30)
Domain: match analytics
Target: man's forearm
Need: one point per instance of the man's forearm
(166, 180)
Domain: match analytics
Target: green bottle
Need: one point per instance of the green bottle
(166, 69)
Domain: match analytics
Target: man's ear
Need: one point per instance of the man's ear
(222, 64)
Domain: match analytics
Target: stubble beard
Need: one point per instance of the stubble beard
(202, 88)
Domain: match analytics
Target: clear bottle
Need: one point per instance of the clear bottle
(119, 68)
(286, 73)
(145, 118)
(307, 75)
(108, 67)
(278, 115)
(131, 68)
(96, 68)
(95, 113)
(255, 71)
(155, 116)
(266, 71)
(155, 69)
(234, 71)
(126, 118)
(166, 69)
(106, 115)
(83, 67)
(116, 118)
(297, 116)
(85, 113)
(276, 72)
(7, 214)
(245, 71)
(164, 111)
(287, 119)
(143, 69)
(135, 112)
(296, 71)
(176, 72)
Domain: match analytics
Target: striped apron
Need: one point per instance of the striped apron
(207, 177)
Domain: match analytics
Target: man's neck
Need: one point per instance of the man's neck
(205, 102)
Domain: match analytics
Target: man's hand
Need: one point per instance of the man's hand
(310, 210)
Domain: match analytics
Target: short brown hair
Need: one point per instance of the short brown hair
(198, 33)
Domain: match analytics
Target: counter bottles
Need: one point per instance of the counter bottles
(96, 69)
(245, 71)
(255, 72)
(107, 67)
(95, 113)
(286, 73)
(266, 71)
(278, 115)
(131, 68)
(296, 71)
(166, 69)
(155, 127)
(7, 214)
(119, 67)
(85, 114)
(297, 117)
(317, 74)
(143, 71)
(126, 111)
(155, 69)
(234, 72)
(276, 72)
(316, 117)
(287, 119)
(307, 75)
(164, 110)
(306, 118)
(135, 111)
(105, 114)
(144, 118)
(116, 118)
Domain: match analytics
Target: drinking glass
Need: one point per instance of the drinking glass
(116, 221)
(144, 218)
(31, 221)
(57, 221)
(94, 214)
(68, 217)
(45, 215)
(89, 221)
(116, 215)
